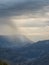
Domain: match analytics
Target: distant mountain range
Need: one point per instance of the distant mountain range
(23, 52)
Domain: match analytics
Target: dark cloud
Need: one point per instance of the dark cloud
(21, 8)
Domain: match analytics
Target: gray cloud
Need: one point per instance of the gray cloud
(47, 23)
(20, 7)
(9, 8)
(16, 7)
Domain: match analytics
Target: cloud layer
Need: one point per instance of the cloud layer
(29, 17)
(21, 7)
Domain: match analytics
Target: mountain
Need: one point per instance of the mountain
(35, 50)
(27, 54)
(13, 41)
(43, 60)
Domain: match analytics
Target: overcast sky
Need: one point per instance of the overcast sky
(25, 17)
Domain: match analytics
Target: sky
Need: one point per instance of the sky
(25, 17)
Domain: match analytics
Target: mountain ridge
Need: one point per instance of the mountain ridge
(25, 55)
(17, 41)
